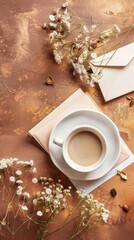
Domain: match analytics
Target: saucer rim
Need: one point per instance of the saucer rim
(87, 178)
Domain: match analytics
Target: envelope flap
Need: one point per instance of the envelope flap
(117, 58)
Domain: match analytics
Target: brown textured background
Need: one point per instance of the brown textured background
(25, 62)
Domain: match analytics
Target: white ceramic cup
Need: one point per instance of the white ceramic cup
(64, 145)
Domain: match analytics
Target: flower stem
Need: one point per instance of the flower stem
(60, 228)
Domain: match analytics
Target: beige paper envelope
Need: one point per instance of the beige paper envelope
(117, 72)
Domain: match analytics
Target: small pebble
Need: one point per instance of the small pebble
(113, 192)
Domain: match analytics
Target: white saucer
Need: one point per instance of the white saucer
(93, 118)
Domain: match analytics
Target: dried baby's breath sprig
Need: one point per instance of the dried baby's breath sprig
(72, 41)
(28, 200)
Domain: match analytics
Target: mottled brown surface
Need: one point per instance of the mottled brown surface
(25, 62)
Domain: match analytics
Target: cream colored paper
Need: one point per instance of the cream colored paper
(117, 72)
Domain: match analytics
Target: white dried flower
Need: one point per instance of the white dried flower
(106, 34)
(77, 67)
(48, 191)
(52, 25)
(94, 77)
(93, 27)
(3, 164)
(34, 180)
(79, 37)
(26, 195)
(39, 213)
(87, 39)
(66, 16)
(58, 190)
(59, 196)
(47, 210)
(43, 193)
(83, 56)
(85, 29)
(25, 163)
(18, 192)
(18, 172)
(53, 36)
(19, 181)
(52, 17)
(105, 216)
(12, 179)
(35, 201)
(56, 201)
(47, 199)
(50, 179)
(64, 5)
(24, 208)
(31, 163)
(20, 188)
(57, 56)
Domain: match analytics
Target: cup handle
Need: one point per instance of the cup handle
(58, 141)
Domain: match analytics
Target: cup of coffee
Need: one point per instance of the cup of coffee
(84, 149)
